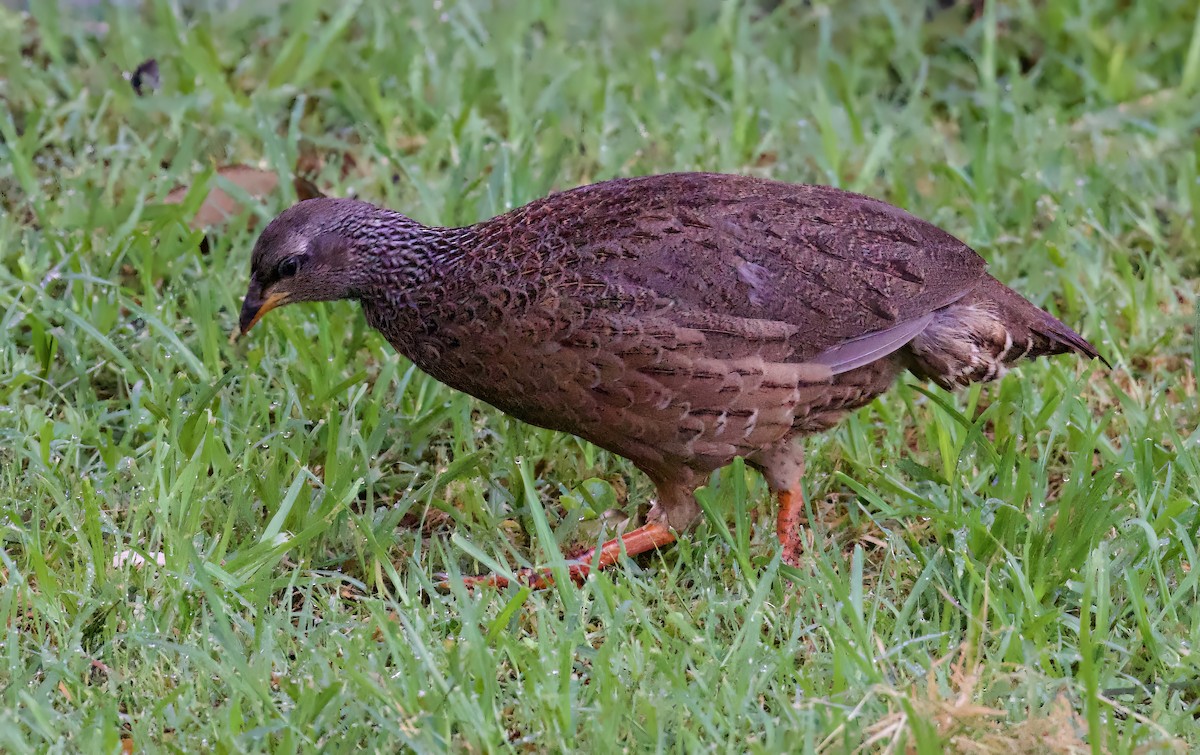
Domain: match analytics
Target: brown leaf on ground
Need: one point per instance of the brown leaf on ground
(306, 189)
(219, 206)
(314, 159)
(145, 79)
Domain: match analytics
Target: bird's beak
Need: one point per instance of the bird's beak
(253, 310)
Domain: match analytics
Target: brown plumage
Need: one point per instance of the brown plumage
(678, 320)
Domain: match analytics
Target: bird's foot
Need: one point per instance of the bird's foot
(643, 539)
(536, 579)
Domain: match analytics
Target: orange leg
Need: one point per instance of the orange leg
(644, 538)
(787, 526)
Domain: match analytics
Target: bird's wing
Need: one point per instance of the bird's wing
(848, 277)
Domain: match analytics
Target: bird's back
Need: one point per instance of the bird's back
(829, 264)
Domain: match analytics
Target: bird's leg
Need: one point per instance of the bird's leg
(783, 467)
(645, 538)
(787, 526)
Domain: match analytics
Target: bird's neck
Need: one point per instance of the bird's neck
(405, 255)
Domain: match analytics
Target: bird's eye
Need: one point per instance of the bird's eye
(287, 267)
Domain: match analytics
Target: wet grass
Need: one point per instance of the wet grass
(1005, 569)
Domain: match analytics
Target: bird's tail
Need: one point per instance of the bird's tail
(1034, 331)
(980, 336)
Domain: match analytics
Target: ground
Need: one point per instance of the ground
(226, 547)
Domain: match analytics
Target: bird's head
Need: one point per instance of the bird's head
(315, 250)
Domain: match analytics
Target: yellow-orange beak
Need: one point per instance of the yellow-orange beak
(254, 309)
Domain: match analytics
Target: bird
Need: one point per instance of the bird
(678, 320)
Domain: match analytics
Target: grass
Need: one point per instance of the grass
(1011, 568)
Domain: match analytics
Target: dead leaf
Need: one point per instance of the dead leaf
(313, 160)
(306, 189)
(145, 79)
(218, 207)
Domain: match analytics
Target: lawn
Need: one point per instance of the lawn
(232, 547)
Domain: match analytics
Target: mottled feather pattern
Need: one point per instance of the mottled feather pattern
(684, 319)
